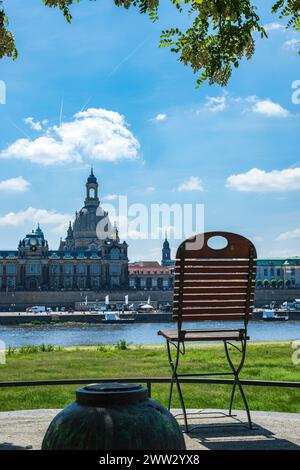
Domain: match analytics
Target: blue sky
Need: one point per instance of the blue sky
(232, 149)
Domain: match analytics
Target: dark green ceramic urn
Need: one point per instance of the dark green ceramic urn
(113, 416)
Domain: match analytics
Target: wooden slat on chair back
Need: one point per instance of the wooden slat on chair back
(214, 284)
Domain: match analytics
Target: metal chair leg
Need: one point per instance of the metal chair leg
(232, 397)
(236, 371)
(170, 394)
(176, 380)
(172, 378)
(245, 403)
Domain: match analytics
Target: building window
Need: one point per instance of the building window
(114, 253)
(54, 269)
(81, 282)
(154, 282)
(55, 282)
(1, 268)
(68, 268)
(33, 268)
(132, 282)
(265, 272)
(95, 269)
(81, 269)
(95, 282)
(115, 269)
(166, 282)
(278, 272)
(272, 272)
(293, 271)
(11, 269)
(115, 281)
(143, 282)
(11, 282)
(68, 282)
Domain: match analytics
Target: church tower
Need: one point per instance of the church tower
(166, 253)
(92, 191)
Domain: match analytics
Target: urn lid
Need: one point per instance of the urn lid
(104, 394)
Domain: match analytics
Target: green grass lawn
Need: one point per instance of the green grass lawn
(268, 361)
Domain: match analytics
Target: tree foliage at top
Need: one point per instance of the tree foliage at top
(220, 35)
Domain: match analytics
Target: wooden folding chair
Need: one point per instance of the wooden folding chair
(212, 284)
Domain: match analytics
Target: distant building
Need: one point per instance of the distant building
(278, 272)
(150, 275)
(87, 259)
(283, 272)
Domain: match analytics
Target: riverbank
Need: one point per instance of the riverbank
(55, 318)
(23, 299)
(265, 361)
(24, 318)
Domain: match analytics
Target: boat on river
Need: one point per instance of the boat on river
(275, 314)
(115, 317)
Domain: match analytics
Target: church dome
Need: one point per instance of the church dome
(34, 240)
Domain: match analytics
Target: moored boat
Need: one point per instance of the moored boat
(275, 315)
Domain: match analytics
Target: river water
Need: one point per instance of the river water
(137, 333)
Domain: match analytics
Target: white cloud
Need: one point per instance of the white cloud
(290, 235)
(35, 125)
(215, 103)
(150, 189)
(258, 239)
(18, 184)
(192, 184)
(110, 197)
(268, 108)
(274, 27)
(32, 215)
(292, 44)
(160, 117)
(256, 180)
(96, 134)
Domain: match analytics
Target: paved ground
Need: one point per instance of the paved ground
(21, 430)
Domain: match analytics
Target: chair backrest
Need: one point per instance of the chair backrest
(214, 284)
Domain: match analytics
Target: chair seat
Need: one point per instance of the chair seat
(203, 335)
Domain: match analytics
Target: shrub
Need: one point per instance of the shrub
(274, 283)
(28, 349)
(122, 345)
(102, 348)
(11, 351)
(46, 347)
(32, 348)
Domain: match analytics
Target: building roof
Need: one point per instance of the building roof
(150, 264)
(295, 260)
(141, 269)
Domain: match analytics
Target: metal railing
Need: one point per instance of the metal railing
(148, 381)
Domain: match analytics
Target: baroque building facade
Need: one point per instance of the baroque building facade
(91, 256)
(278, 272)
